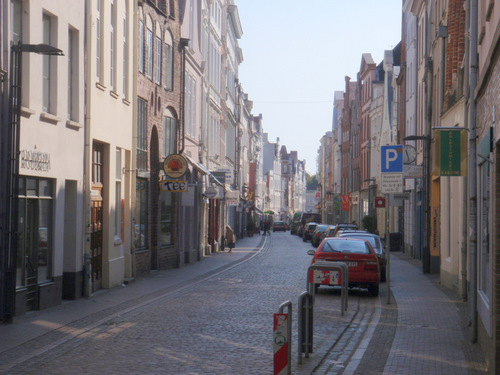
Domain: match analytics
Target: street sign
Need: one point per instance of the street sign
(211, 192)
(392, 183)
(413, 171)
(379, 202)
(228, 175)
(392, 159)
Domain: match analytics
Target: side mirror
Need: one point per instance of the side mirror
(311, 252)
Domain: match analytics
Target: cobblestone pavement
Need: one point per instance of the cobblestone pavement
(215, 317)
(219, 325)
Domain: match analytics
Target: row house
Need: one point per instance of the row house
(94, 98)
(272, 177)
(436, 94)
(43, 140)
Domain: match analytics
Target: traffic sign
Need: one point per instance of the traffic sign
(392, 183)
(392, 159)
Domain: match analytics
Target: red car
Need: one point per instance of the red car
(364, 268)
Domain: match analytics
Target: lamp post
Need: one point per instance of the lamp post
(11, 143)
(426, 254)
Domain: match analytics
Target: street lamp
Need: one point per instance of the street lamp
(426, 254)
(11, 176)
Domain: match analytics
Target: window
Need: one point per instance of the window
(166, 222)
(171, 8)
(98, 25)
(142, 134)
(16, 21)
(169, 135)
(149, 53)
(47, 79)
(118, 197)
(112, 49)
(169, 67)
(214, 133)
(73, 75)
(215, 65)
(125, 52)
(141, 46)
(141, 214)
(190, 105)
(35, 241)
(231, 142)
(158, 61)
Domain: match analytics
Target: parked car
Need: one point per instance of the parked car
(361, 258)
(316, 236)
(329, 232)
(344, 226)
(377, 245)
(279, 226)
(308, 231)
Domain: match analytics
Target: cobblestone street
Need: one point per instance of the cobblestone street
(219, 321)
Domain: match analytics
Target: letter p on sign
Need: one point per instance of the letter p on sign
(392, 159)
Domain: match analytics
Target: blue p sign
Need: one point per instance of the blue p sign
(392, 159)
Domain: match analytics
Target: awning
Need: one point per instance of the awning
(259, 211)
(202, 169)
(270, 212)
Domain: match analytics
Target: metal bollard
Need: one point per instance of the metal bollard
(282, 340)
(305, 325)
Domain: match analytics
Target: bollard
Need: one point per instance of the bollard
(305, 325)
(282, 340)
(326, 266)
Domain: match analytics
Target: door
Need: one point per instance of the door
(29, 250)
(96, 243)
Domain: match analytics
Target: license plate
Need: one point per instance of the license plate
(352, 264)
(325, 277)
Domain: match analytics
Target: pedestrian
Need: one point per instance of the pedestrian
(230, 238)
(267, 228)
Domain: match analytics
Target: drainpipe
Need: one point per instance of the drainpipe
(472, 170)
(183, 44)
(463, 249)
(86, 167)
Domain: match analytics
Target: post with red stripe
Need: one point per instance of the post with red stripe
(282, 333)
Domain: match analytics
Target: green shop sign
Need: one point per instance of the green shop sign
(452, 152)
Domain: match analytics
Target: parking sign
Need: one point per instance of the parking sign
(392, 159)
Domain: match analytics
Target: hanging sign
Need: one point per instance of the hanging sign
(345, 204)
(175, 165)
(174, 186)
(452, 152)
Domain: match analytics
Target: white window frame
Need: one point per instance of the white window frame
(149, 53)
(158, 50)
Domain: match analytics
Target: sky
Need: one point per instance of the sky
(296, 54)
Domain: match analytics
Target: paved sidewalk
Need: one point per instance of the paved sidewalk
(35, 324)
(423, 327)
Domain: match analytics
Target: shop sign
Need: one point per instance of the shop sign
(175, 165)
(35, 160)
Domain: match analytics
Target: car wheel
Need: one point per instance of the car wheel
(304, 239)
(373, 289)
(316, 288)
(382, 274)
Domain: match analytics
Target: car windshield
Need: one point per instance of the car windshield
(374, 241)
(346, 247)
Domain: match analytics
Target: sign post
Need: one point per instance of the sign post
(392, 168)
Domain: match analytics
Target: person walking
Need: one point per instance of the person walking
(230, 238)
(267, 227)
